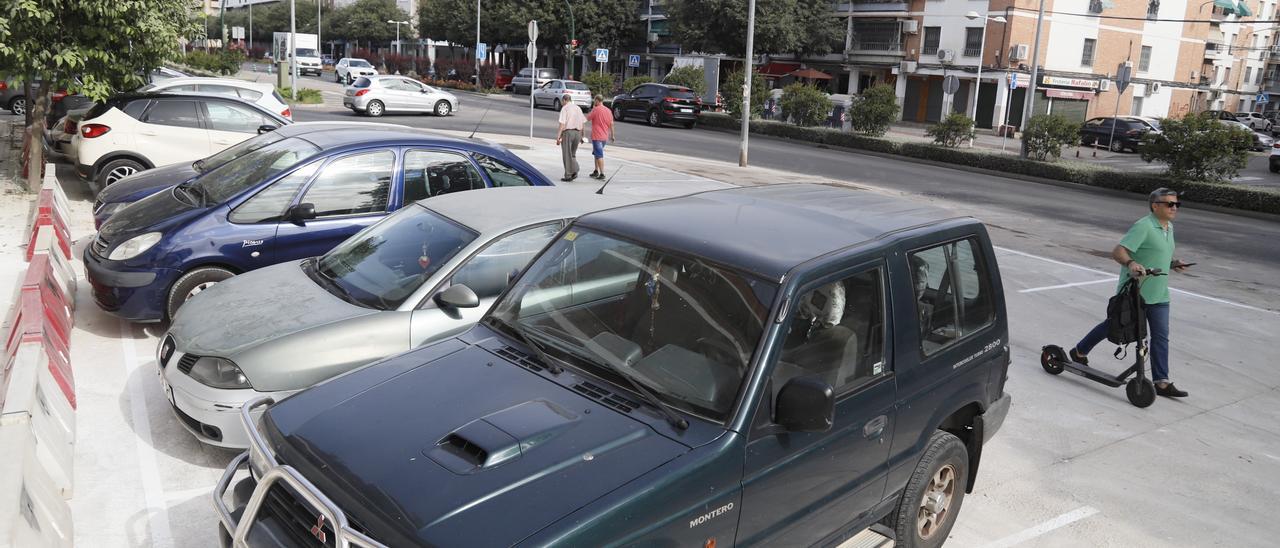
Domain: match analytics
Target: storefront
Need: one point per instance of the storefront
(1066, 97)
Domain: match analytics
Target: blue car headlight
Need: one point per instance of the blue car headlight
(134, 246)
(218, 373)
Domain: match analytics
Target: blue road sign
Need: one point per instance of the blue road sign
(633, 60)
(480, 50)
(602, 55)
(1264, 98)
(1013, 81)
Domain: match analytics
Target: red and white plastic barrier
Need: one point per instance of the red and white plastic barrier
(37, 386)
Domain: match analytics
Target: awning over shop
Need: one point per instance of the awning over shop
(777, 70)
(1068, 94)
(811, 74)
(1242, 9)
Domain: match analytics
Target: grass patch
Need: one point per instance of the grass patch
(306, 96)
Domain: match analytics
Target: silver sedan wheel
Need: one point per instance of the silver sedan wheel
(443, 108)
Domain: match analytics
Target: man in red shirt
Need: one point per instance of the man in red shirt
(601, 119)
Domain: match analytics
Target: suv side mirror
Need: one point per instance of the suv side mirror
(458, 296)
(806, 404)
(265, 128)
(302, 212)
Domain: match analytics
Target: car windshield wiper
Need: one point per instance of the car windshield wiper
(331, 284)
(546, 360)
(675, 420)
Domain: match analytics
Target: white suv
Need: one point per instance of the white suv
(350, 68)
(134, 132)
(263, 94)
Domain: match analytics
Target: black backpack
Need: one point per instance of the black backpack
(1126, 319)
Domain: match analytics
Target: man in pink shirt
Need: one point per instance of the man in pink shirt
(569, 136)
(601, 119)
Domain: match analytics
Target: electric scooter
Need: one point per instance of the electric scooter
(1140, 390)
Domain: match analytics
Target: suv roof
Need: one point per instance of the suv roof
(767, 230)
(116, 100)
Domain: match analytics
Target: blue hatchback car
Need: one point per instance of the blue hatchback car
(294, 198)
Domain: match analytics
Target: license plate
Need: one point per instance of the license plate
(686, 110)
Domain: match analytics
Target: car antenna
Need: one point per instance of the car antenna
(606, 183)
(488, 104)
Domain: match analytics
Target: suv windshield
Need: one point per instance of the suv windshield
(385, 263)
(684, 328)
(359, 63)
(252, 168)
(240, 149)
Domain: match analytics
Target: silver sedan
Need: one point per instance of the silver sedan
(553, 92)
(423, 274)
(378, 95)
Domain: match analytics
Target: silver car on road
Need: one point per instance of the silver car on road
(553, 92)
(377, 95)
(425, 273)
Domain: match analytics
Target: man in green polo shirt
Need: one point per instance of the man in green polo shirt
(1147, 245)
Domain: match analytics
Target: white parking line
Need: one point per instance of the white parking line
(157, 505)
(1060, 286)
(1096, 271)
(1055, 523)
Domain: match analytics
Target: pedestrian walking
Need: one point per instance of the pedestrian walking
(1147, 245)
(569, 136)
(601, 119)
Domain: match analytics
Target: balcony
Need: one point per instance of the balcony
(884, 48)
(1214, 50)
(972, 52)
(870, 6)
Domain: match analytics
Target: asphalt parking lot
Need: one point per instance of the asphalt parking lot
(1074, 465)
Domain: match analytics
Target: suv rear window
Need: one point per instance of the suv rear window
(952, 292)
(362, 82)
(548, 73)
(681, 93)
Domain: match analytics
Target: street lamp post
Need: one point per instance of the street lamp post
(1029, 105)
(569, 64)
(398, 23)
(293, 52)
(746, 84)
(478, 43)
(977, 88)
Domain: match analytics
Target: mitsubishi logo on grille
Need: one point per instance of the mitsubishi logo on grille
(317, 530)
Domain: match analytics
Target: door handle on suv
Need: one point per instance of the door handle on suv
(875, 427)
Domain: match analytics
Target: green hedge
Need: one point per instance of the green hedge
(1218, 194)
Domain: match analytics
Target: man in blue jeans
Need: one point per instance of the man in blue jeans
(1147, 245)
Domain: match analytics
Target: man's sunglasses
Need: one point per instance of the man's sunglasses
(1169, 204)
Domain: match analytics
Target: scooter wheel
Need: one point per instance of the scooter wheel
(1049, 363)
(1141, 393)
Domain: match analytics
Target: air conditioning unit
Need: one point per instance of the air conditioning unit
(1104, 85)
(907, 67)
(910, 26)
(1018, 52)
(946, 55)
(1153, 88)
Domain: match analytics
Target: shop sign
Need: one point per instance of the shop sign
(1069, 82)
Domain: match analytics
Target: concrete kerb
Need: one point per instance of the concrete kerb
(1016, 176)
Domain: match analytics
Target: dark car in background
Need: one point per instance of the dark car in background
(782, 365)
(659, 104)
(292, 199)
(1128, 132)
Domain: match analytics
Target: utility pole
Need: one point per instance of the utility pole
(293, 51)
(319, 42)
(746, 84)
(1028, 106)
(478, 44)
(569, 64)
(250, 27)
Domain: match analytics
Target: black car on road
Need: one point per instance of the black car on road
(1128, 132)
(659, 104)
(776, 365)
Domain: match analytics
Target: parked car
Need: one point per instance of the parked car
(259, 93)
(659, 104)
(350, 68)
(164, 73)
(377, 95)
(1128, 131)
(1273, 160)
(524, 81)
(502, 78)
(550, 94)
(326, 59)
(14, 99)
(1255, 120)
(133, 132)
(292, 199)
(142, 184)
(375, 287)
(1220, 115)
(1261, 141)
(649, 380)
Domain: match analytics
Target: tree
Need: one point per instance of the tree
(956, 128)
(782, 26)
(86, 46)
(1045, 135)
(805, 104)
(366, 20)
(874, 111)
(688, 76)
(732, 92)
(1199, 148)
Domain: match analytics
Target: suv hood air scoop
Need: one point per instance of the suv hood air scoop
(500, 437)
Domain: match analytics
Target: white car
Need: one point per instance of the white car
(1254, 120)
(350, 68)
(377, 95)
(552, 93)
(262, 94)
(138, 131)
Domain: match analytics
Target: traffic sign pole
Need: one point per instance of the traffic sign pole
(532, 53)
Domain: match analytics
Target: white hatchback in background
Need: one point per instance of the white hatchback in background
(1255, 120)
(377, 95)
(261, 94)
(552, 93)
(350, 68)
(134, 132)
